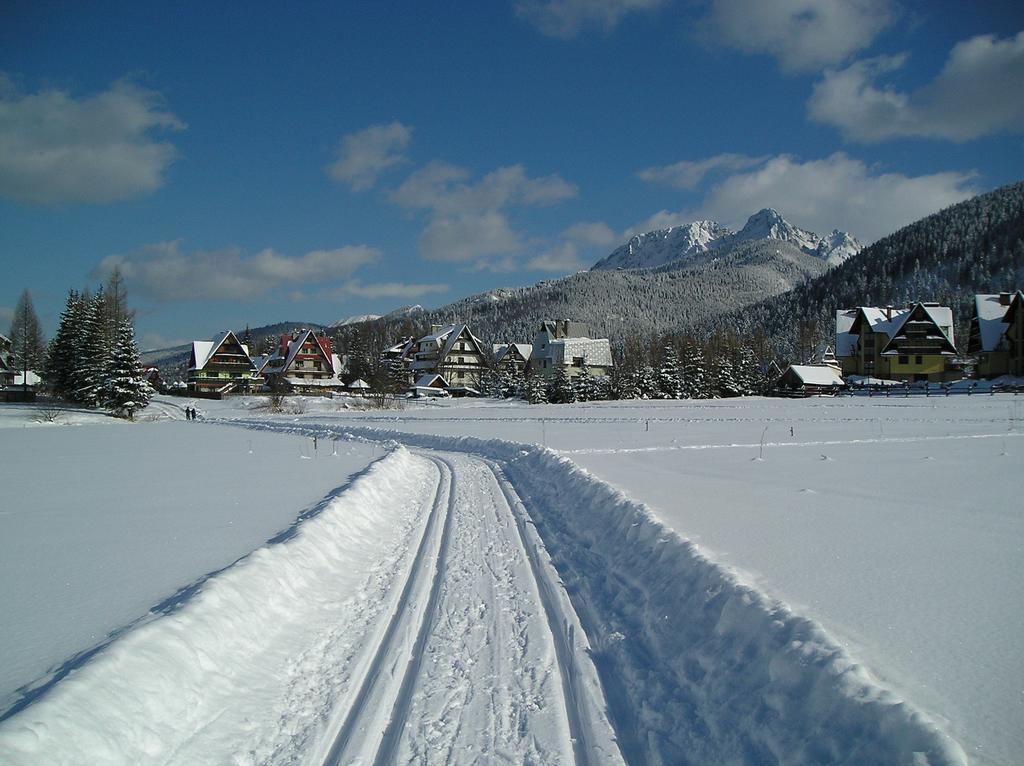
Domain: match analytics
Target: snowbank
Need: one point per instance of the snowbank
(697, 665)
(245, 666)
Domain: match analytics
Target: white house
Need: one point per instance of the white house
(567, 345)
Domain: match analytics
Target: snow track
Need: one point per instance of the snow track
(478, 664)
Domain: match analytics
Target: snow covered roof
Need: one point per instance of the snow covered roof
(525, 350)
(846, 341)
(940, 316)
(359, 385)
(596, 352)
(815, 375)
(430, 381)
(203, 350)
(990, 313)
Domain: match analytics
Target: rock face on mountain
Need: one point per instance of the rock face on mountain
(664, 246)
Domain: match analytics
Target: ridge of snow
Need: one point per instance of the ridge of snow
(355, 319)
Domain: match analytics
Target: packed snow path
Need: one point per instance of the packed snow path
(479, 663)
(416, 619)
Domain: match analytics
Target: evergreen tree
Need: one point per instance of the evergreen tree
(747, 371)
(622, 384)
(561, 390)
(536, 389)
(91, 370)
(125, 390)
(645, 382)
(584, 386)
(669, 383)
(695, 373)
(27, 346)
(62, 357)
(724, 373)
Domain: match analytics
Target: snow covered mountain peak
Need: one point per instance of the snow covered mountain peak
(657, 248)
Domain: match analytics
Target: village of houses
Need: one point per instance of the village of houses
(873, 346)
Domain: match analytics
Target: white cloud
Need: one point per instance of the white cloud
(689, 175)
(162, 271)
(563, 258)
(567, 18)
(979, 91)
(663, 219)
(442, 188)
(837, 192)
(389, 290)
(469, 237)
(363, 156)
(56, 148)
(467, 222)
(595, 233)
(803, 35)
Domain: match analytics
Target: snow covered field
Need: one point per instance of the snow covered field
(845, 591)
(102, 521)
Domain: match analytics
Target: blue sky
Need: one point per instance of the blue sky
(264, 162)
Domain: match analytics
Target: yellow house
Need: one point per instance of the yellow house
(910, 344)
(997, 334)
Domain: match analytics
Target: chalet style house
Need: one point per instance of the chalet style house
(512, 357)
(809, 380)
(997, 334)
(304, 363)
(909, 344)
(562, 344)
(452, 352)
(221, 365)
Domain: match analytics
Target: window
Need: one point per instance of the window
(904, 360)
(918, 359)
(577, 361)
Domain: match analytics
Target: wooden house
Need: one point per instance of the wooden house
(809, 380)
(452, 352)
(512, 357)
(997, 335)
(909, 344)
(304, 363)
(221, 365)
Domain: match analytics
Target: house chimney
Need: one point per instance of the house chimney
(435, 329)
(1004, 299)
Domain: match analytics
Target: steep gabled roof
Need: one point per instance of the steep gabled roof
(939, 316)
(524, 350)
(816, 375)
(1016, 304)
(988, 323)
(204, 350)
(322, 344)
(454, 333)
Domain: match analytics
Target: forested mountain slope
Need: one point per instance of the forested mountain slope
(976, 246)
(620, 303)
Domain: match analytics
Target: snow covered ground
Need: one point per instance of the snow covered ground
(104, 521)
(845, 591)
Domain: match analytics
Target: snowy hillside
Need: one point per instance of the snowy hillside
(657, 248)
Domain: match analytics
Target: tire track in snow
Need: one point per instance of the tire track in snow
(355, 738)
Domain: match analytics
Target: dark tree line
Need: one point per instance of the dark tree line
(93, 359)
